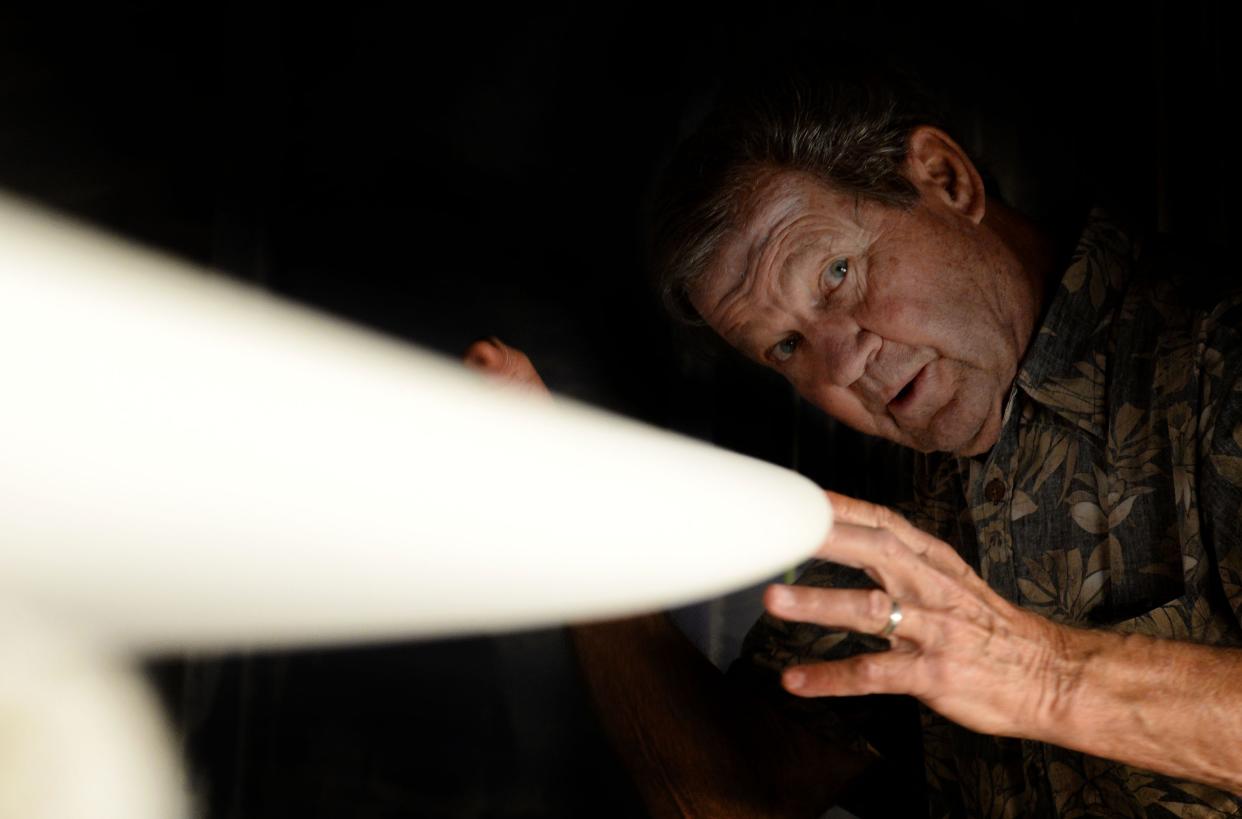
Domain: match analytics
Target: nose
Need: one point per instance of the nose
(842, 350)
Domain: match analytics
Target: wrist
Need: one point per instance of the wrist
(1082, 686)
(1062, 676)
(1132, 698)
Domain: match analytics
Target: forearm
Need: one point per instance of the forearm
(695, 746)
(1166, 706)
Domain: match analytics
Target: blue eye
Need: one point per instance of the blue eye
(785, 349)
(835, 273)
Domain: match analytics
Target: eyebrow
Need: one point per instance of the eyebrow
(747, 269)
(802, 251)
(755, 252)
(749, 344)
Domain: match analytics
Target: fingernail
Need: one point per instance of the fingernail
(794, 679)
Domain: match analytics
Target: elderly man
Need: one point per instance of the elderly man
(1065, 600)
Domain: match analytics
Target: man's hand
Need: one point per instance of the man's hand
(995, 668)
(504, 363)
(959, 647)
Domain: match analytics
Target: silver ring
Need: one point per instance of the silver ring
(894, 617)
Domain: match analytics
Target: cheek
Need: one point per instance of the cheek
(897, 318)
(903, 304)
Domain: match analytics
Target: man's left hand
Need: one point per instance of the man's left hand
(958, 646)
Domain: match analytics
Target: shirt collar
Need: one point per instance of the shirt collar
(1065, 367)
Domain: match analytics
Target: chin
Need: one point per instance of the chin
(984, 438)
(963, 437)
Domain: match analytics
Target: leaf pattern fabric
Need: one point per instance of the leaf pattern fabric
(1113, 500)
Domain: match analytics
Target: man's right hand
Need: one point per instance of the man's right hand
(504, 363)
(694, 746)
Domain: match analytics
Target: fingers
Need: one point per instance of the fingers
(485, 355)
(861, 513)
(884, 556)
(898, 569)
(940, 554)
(887, 672)
(865, 611)
(508, 364)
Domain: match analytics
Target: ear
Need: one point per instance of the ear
(941, 170)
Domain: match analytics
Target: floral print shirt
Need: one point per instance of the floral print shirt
(1113, 499)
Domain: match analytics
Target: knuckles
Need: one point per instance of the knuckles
(888, 519)
(891, 547)
(869, 671)
(877, 606)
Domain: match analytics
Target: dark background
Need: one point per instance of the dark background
(446, 173)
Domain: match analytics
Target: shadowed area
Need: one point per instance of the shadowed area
(449, 174)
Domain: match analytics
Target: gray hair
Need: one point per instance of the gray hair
(852, 134)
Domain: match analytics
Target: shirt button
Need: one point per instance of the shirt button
(994, 491)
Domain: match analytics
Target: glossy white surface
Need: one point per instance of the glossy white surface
(192, 463)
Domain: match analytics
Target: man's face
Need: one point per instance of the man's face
(897, 323)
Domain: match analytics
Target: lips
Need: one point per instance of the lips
(906, 394)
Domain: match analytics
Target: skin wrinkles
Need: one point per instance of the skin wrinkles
(758, 284)
(928, 290)
(789, 245)
(956, 288)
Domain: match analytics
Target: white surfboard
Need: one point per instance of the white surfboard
(186, 462)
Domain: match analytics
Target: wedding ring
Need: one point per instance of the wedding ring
(894, 617)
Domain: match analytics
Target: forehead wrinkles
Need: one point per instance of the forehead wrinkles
(735, 267)
(803, 229)
(780, 207)
(760, 296)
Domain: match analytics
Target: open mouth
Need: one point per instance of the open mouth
(906, 393)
